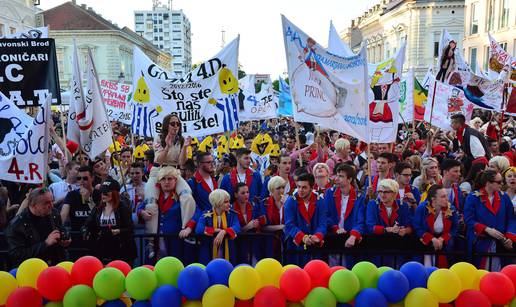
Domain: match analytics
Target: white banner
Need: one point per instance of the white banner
(451, 69)
(256, 106)
(326, 89)
(28, 161)
(117, 98)
(41, 32)
(76, 111)
(13, 125)
(500, 60)
(205, 100)
(407, 97)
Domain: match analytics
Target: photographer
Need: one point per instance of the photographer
(37, 231)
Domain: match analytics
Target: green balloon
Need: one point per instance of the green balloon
(54, 304)
(367, 273)
(80, 296)
(109, 284)
(167, 271)
(382, 270)
(345, 285)
(320, 297)
(202, 266)
(141, 283)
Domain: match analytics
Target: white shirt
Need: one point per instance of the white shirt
(209, 182)
(438, 223)
(343, 208)
(241, 177)
(477, 150)
(107, 220)
(61, 188)
(389, 211)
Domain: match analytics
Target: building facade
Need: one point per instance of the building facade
(388, 24)
(111, 46)
(170, 31)
(497, 17)
(16, 16)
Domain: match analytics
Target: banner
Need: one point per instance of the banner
(76, 111)
(326, 89)
(13, 125)
(484, 93)
(446, 100)
(336, 45)
(284, 99)
(28, 71)
(420, 99)
(41, 32)
(451, 69)
(407, 108)
(257, 106)
(503, 67)
(117, 98)
(28, 162)
(205, 100)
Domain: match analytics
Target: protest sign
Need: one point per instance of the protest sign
(117, 98)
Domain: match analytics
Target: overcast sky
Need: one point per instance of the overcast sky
(257, 22)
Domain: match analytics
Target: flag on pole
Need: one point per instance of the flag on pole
(407, 97)
(336, 45)
(76, 112)
(285, 100)
(420, 99)
(13, 124)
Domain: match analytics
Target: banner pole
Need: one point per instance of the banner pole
(433, 100)
(298, 144)
(504, 101)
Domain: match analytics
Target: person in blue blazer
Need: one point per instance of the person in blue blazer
(202, 184)
(220, 227)
(243, 173)
(305, 220)
(406, 192)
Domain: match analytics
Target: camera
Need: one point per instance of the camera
(65, 235)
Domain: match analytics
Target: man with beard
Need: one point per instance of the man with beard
(243, 173)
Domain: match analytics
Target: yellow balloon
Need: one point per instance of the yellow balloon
(218, 296)
(270, 271)
(466, 273)
(67, 265)
(192, 304)
(421, 297)
(28, 272)
(290, 266)
(7, 285)
(445, 285)
(244, 282)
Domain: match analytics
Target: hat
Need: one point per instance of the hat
(72, 146)
(419, 144)
(438, 149)
(109, 185)
(480, 160)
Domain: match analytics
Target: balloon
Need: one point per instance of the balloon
(84, 270)
(415, 273)
(370, 298)
(24, 297)
(218, 295)
(497, 287)
(445, 284)
(67, 265)
(244, 282)
(393, 285)
(345, 285)
(465, 271)
(199, 265)
(123, 266)
(80, 296)
(54, 304)
(8, 285)
(166, 296)
(290, 266)
(510, 271)
(115, 303)
(142, 304)
(429, 271)
(218, 271)
(167, 270)
(270, 271)
(28, 272)
(192, 303)
(148, 266)
(295, 284)
(13, 272)
(243, 303)
(367, 273)
(140, 283)
(53, 283)
(383, 269)
(318, 270)
(193, 282)
(109, 284)
(269, 296)
(421, 297)
(472, 298)
(320, 297)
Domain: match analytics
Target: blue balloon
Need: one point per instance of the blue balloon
(166, 296)
(142, 304)
(393, 285)
(193, 282)
(415, 273)
(114, 303)
(370, 297)
(430, 270)
(13, 272)
(218, 271)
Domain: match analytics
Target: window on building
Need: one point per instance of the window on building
(436, 49)
(60, 61)
(138, 17)
(504, 14)
(160, 29)
(474, 18)
(487, 52)
(149, 26)
(491, 9)
(503, 45)
(473, 58)
(12, 30)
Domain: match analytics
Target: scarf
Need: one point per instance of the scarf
(215, 250)
(166, 204)
(460, 132)
(493, 207)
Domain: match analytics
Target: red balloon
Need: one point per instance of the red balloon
(239, 303)
(120, 265)
(85, 269)
(510, 271)
(295, 284)
(472, 298)
(497, 287)
(24, 297)
(318, 271)
(53, 283)
(148, 266)
(269, 297)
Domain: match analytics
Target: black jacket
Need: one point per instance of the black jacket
(25, 242)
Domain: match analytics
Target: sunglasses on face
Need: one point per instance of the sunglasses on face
(174, 124)
(79, 178)
(385, 192)
(497, 181)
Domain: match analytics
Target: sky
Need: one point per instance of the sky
(258, 22)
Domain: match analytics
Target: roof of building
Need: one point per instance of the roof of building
(70, 16)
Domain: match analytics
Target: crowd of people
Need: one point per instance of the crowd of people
(312, 189)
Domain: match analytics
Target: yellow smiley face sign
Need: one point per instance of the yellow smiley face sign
(227, 82)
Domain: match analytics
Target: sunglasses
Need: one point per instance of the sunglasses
(79, 178)
(174, 124)
(497, 181)
(385, 192)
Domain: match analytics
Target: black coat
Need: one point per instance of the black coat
(25, 242)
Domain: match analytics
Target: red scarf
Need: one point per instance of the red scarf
(205, 186)
(322, 190)
(460, 132)
(273, 213)
(233, 176)
(455, 188)
(407, 189)
(337, 195)
(166, 204)
(495, 206)
(307, 214)
(385, 217)
(248, 210)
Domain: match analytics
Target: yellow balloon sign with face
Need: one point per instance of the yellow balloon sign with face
(236, 142)
(222, 146)
(227, 82)
(262, 144)
(141, 93)
(206, 145)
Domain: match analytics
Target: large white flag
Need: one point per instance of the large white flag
(256, 106)
(205, 100)
(13, 125)
(326, 89)
(76, 112)
(451, 69)
(336, 45)
(27, 163)
(407, 97)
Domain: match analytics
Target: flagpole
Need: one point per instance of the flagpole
(408, 136)
(47, 139)
(504, 101)
(298, 144)
(433, 100)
